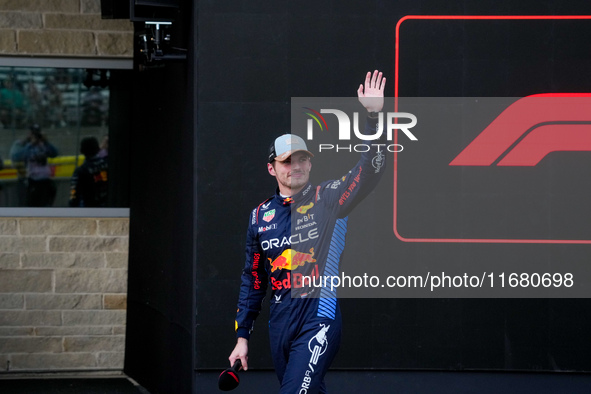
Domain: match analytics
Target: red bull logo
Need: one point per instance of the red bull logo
(291, 259)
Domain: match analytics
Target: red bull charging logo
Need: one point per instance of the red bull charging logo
(291, 259)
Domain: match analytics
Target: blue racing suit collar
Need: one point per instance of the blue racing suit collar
(299, 197)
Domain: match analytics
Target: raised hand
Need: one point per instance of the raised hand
(371, 96)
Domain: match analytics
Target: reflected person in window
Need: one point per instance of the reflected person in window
(88, 187)
(34, 153)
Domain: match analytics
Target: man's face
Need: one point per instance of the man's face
(292, 173)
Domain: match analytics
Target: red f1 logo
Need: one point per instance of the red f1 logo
(530, 129)
(503, 186)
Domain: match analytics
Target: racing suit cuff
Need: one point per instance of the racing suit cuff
(371, 121)
(242, 332)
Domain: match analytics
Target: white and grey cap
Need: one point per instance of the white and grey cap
(285, 145)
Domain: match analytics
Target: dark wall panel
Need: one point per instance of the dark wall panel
(254, 59)
(115, 9)
(161, 292)
(120, 99)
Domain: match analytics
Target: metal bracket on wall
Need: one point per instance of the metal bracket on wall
(155, 48)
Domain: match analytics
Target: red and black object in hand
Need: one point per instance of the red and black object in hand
(229, 379)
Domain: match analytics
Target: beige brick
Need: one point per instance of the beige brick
(88, 244)
(63, 301)
(52, 361)
(12, 301)
(57, 226)
(31, 345)
(9, 260)
(115, 44)
(16, 332)
(85, 22)
(7, 46)
(63, 260)
(73, 330)
(30, 318)
(91, 281)
(41, 5)
(94, 344)
(23, 244)
(90, 260)
(56, 42)
(113, 227)
(90, 6)
(25, 281)
(8, 226)
(47, 260)
(20, 20)
(111, 360)
(117, 260)
(93, 318)
(115, 301)
(119, 330)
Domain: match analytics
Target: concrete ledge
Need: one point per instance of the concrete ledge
(113, 63)
(103, 373)
(65, 212)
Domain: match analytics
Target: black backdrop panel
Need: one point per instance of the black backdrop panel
(161, 291)
(252, 60)
(114, 9)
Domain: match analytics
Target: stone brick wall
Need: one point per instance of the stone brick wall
(63, 281)
(62, 28)
(63, 285)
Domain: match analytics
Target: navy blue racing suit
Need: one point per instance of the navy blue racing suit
(291, 242)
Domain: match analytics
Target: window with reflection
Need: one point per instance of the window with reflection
(54, 137)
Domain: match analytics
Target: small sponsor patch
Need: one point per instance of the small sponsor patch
(268, 216)
(304, 208)
(267, 228)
